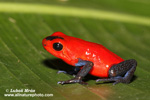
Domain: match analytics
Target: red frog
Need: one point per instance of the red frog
(90, 58)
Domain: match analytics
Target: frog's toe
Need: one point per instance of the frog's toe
(65, 72)
(74, 80)
(61, 82)
(61, 71)
(68, 82)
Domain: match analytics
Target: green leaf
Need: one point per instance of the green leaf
(121, 26)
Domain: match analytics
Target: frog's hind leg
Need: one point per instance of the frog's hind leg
(122, 72)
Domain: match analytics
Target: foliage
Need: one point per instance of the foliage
(24, 64)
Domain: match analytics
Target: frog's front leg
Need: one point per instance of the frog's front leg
(87, 65)
(122, 72)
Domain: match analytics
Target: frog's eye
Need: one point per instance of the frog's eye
(57, 46)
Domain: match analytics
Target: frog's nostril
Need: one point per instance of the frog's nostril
(44, 44)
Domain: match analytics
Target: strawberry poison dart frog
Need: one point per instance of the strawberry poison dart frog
(90, 58)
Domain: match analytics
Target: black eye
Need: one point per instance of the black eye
(57, 46)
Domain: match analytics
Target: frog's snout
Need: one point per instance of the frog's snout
(44, 42)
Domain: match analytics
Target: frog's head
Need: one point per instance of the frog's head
(56, 45)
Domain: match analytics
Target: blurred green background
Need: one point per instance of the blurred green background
(123, 26)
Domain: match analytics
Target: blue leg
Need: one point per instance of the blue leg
(122, 72)
(87, 65)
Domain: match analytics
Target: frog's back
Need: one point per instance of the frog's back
(102, 58)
